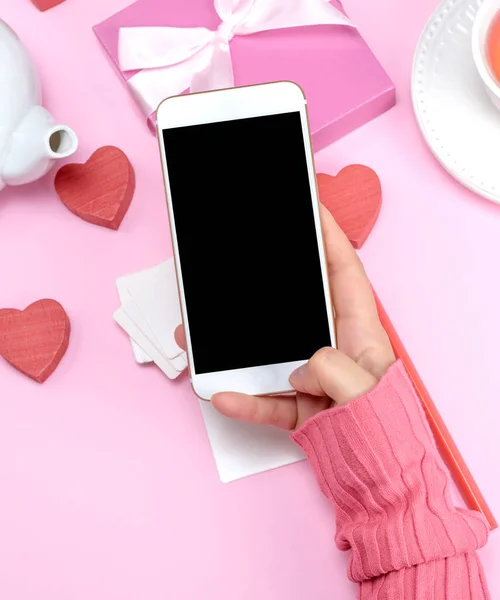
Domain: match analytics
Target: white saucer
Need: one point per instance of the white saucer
(457, 119)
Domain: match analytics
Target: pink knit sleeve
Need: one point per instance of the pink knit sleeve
(376, 460)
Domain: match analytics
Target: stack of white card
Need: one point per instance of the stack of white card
(149, 313)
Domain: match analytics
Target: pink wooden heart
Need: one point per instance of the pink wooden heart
(354, 198)
(44, 5)
(35, 339)
(100, 190)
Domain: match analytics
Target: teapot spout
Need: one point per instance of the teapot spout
(37, 142)
(61, 142)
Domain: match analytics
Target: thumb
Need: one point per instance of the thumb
(333, 374)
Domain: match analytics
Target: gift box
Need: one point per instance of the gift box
(165, 47)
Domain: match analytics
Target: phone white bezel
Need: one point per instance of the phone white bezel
(226, 105)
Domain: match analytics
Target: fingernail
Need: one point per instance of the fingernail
(298, 374)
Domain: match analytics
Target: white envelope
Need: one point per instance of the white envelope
(241, 449)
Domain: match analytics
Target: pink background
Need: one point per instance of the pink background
(108, 486)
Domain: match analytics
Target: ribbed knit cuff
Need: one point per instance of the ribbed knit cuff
(376, 460)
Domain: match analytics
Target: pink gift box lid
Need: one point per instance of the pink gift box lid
(344, 83)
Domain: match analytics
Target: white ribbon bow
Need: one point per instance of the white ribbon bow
(173, 59)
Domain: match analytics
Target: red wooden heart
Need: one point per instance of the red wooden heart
(100, 190)
(354, 198)
(46, 4)
(35, 339)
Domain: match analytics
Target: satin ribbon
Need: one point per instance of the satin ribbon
(174, 59)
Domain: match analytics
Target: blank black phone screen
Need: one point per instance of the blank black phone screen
(248, 248)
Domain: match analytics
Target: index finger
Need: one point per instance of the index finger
(353, 296)
(358, 326)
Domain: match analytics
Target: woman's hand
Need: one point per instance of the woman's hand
(332, 377)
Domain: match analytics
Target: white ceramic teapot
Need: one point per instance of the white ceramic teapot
(30, 140)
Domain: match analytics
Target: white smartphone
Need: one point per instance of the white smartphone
(246, 232)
